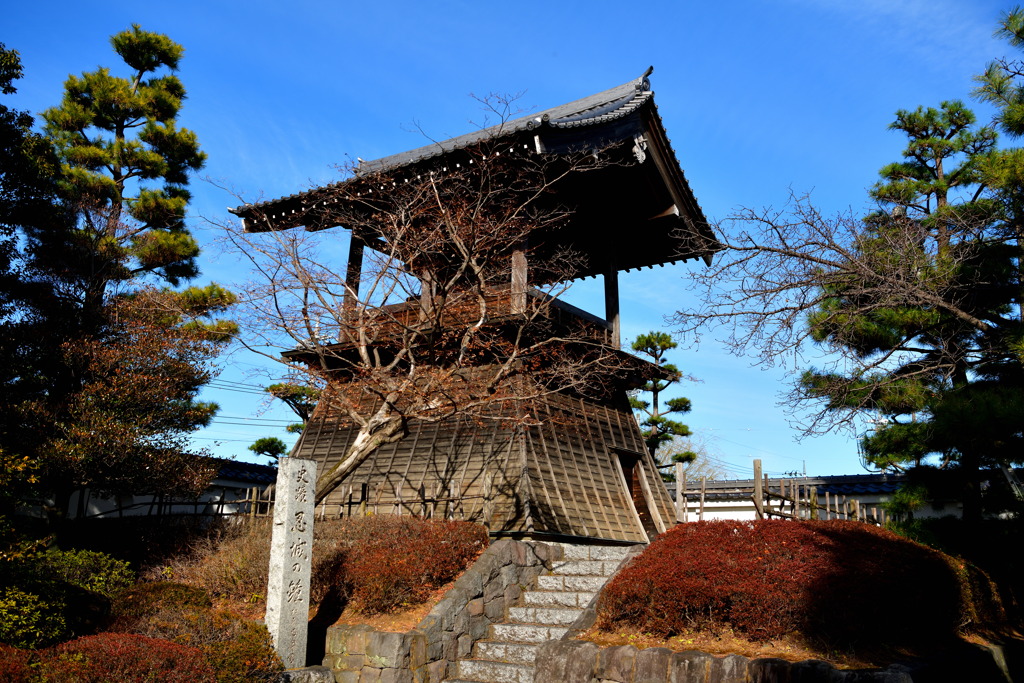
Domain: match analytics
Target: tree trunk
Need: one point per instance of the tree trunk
(384, 427)
(970, 465)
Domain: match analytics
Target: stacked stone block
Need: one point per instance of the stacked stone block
(576, 661)
(479, 598)
(547, 612)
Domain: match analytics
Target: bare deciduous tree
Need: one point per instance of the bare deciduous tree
(792, 278)
(449, 304)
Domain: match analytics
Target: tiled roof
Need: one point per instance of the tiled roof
(601, 108)
(598, 109)
(656, 217)
(246, 472)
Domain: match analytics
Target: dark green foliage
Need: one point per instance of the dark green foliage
(88, 570)
(838, 584)
(987, 544)
(1000, 84)
(300, 398)
(270, 446)
(28, 201)
(49, 597)
(657, 427)
(937, 367)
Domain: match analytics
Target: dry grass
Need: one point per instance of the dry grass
(232, 564)
(792, 647)
(367, 557)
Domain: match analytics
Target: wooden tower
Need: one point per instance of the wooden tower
(565, 463)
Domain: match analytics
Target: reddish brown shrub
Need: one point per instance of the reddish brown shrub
(14, 664)
(395, 561)
(238, 650)
(837, 583)
(124, 657)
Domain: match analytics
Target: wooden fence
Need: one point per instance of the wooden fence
(782, 498)
(360, 500)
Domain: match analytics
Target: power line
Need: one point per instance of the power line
(254, 419)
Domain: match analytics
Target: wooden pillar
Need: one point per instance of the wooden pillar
(519, 280)
(353, 272)
(426, 296)
(611, 303)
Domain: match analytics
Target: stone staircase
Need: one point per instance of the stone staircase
(544, 613)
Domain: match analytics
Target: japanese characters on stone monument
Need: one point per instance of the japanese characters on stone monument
(290, 560)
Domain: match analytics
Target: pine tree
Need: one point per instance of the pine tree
(656, 427)
(125, 360)
(927, 368)
(118, 137)
(27, 198)
(300, 398)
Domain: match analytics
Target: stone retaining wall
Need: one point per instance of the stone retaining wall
(577, 661)
(359, 654)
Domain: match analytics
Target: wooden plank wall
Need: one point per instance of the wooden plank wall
(574, 475)
(458, 469)
(473, 470)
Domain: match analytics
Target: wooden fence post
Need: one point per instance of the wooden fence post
(758, 490)
(680, 491)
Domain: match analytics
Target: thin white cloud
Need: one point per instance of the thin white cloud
(943, 31)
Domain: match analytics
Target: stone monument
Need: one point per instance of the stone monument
(291, 551)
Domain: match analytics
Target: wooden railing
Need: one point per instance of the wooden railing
(390, 322)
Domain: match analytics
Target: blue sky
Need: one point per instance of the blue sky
(759, 98)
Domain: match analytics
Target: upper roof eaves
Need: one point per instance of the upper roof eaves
(596, 109)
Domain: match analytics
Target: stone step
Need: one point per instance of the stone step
(571, 583)
(493, 672)
(545, 616)
(557, 598)
(526, 633)
(594, 552)
(511, 653)
(584, 568)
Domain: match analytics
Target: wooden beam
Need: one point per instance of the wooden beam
(611, 303)
(519, 280)
(353, 272)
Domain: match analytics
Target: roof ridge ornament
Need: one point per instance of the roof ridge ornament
(643, 83)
